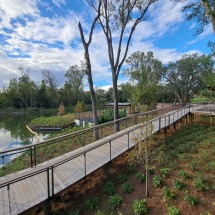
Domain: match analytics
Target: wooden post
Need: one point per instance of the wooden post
(211, 120)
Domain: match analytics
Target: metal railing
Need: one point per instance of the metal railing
(32, 155)
(157, 124)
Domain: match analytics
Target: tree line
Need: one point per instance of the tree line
(150, 81)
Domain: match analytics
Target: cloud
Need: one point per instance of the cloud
(59, 3)
(11, 9)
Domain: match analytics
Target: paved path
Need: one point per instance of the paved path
(28, 192)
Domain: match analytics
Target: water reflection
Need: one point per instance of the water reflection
(13, 134)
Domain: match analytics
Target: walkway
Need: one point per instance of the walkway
(25, 189)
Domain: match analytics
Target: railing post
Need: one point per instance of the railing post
(8, 191)
(3, 164)
(165, 121)
(31, 154)
(128, 140)
(52, 172)
(159, 123)
(110, 150)
(35, 156)
(85, 165)
(48, 184)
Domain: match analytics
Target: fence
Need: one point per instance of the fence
(49, 169)
(32, 155)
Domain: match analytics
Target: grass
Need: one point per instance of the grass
(53, 120)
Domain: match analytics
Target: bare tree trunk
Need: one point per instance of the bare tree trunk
(115, 99)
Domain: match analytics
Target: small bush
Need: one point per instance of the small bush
(199, 183)
(183, 174)
(172, 210)
(168, 194)
(131, 168)
(109, 188)
(115, 201)
(141, 177)
(190, 199)
(164, 172)
(157, 182)
(139, 207)
(178, 184)
(127, 187)
(121, 177)
(100, 213)
(92, 203)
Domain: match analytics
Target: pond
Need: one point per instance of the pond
(13, 132)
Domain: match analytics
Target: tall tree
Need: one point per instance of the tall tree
(203, 11)
(185, 75)
(146, 71)
(88, 70)
(51, 81)
(74, 82)
(120, 18)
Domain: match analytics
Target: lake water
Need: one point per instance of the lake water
(13, 133)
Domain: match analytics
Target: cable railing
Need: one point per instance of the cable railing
(49, 169)
(35, 154)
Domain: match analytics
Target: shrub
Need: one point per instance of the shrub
(199, 183)
(127, 187)
(141, 177)
(157, 182)
(92, 203)
(183, 174)
(168, 194)
(131, 168)
(139, 207)
(121, 177)
(164, 172)
(172, 210)
(178, 184)
(115, 201)
(190, 199)
(109, 188)
(99, 213)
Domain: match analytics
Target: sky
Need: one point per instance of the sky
(43, 35)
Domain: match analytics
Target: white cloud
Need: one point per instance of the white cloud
(11, 9)
(59, 3)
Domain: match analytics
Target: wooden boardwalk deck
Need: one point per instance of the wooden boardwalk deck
(25, 189)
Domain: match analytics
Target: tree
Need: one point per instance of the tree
(120, 18)
(209, 81)
(51, 81)
(74, 82)
(203, 11)
(146, 72)
(185, 75)
(88, 69)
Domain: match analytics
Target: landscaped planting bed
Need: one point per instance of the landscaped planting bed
(182, 181)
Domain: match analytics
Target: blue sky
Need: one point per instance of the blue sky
(43, 35)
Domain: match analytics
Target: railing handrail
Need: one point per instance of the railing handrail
(43, 168)
(63, 137)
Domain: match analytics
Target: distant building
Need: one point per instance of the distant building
(125, 105)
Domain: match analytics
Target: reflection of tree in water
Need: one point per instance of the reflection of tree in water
(16, 125)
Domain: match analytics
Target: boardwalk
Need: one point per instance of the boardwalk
(25, 189)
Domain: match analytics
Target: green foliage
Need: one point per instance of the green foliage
(199, 183)
(79, 107)
(172, 210)
(164, 172)
(131, 169)
(53, 120)
(183, 174)
(191, 199)
(108, 115)
(109, 188)
(178, 184)
(100, 213)
(168, 194)
(139, 207)
(92, 203)
(127, 187)
(114, 201)
(121, 177)
(157, 181)
(141, 177)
